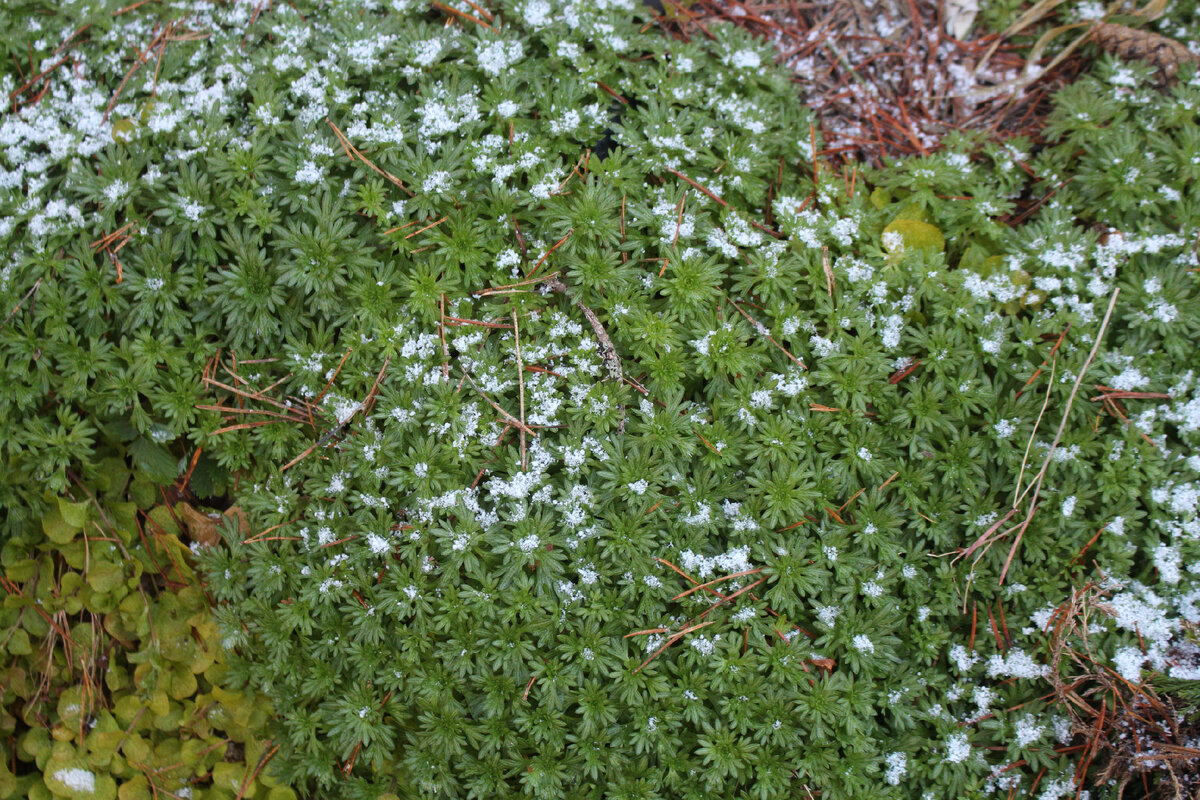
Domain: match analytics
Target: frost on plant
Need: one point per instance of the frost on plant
(579, 476)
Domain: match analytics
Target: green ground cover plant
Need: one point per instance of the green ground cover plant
(692, 468)
(113, 676)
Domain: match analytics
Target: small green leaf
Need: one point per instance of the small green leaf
(21, 571)
(70, 707)
(121, 129)
(104, 576)
(226, 775)
(8, 781)
(154, 460)
(136, 748)
(161, 515)
(143, 493)
(136, 788)
(35, 742)
(75, 554)
(913, 211)
(159, 704)
(183, 682)
(914, 235)
(57, 529)
(209, 478)
(75, 514)
(18, 643)
(67, 775)
(103, 745)
(126, 709)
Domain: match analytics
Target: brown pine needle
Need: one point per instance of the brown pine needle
(262, 762)
(675, 638)
(762, 330)
(612, 92)
(427, 227)
(108, 239)
(727, 598)
(707, 443)
(369, 402)
(248, 395)
(232, 410)
(483, 12)
(828, 270)
(132, 6)
(258, 537)
(506, 288)
(1036, 425)
(645, 632)
(689, 578)
(686, 179)
(546, 254)
(352, 153)
(983, 538)
(520, 383)
(812, 134)
(462, 14)
(299, 458)
(333, 378)
(456, 321)
(243, 426)
(675, 239)
(513, 421)
(400, 227)
(716, 581)
(21, 302)
(851, 500)
(903, 373)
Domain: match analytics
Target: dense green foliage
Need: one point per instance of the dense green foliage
(545, 393)
(114, 666)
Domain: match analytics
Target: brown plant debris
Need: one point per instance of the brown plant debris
(1131, 732)
(608, 352)
(885, 78)
(1130, 43)
(202, 527)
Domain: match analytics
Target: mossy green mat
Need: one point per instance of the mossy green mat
(693, 469)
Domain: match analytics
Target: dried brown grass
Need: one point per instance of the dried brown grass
(1134, 734)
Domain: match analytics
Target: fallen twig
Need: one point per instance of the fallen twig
(608, 353)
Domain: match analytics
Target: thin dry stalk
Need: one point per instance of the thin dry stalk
(1037, 482)
(513, 421)
(608, 351)
(353, 153)
(520, 383)
(1037, 424)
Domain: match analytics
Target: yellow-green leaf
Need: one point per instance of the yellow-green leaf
(121, 129)
(914, 235)
(56, 527)
(75, 514)
(104, 576)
